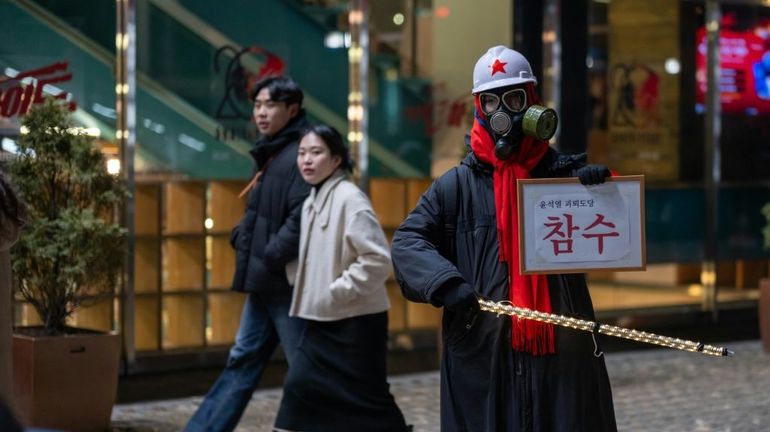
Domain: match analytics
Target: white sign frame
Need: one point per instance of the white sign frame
(621, 196)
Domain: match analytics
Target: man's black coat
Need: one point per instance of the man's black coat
(486, 386)
(267, 238)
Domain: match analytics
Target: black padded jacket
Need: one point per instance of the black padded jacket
(486, 386)
(267, 238)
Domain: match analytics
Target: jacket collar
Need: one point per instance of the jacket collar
(269, 146)
(473, 162)
(321, 199)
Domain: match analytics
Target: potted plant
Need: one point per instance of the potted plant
(69, 255)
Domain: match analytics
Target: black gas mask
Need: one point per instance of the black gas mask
(509, 119)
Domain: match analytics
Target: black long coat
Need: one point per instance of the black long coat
(485, 385)
(267, 237)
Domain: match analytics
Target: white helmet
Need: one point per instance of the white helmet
(501, 67)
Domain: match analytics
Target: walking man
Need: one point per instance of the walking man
(265, 241)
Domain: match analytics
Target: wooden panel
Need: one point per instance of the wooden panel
(183, 261)
(656, 274)
(600, 276)
(389, 237)
(224, 207)
(397, 311)
(222, 263)
(666, 274)
(96, 317)
(726, 274)
(415, 188)
(422, 315)
(748, 273)
(388, 200)
(146, 265)
(146, 324)
(225, 315)
(26, 315)
(688, 273)
(184, 207)
(182, 321)
(146, 209)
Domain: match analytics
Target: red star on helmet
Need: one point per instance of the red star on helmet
(498, 66)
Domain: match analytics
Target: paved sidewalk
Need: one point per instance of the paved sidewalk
(654, 390)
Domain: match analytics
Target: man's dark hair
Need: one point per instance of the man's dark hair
(333, 139)
(281, 89)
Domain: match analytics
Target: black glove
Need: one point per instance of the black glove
(457, 296)
(592, 174)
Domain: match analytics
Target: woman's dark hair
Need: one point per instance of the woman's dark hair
(281, 89)
(333, 139)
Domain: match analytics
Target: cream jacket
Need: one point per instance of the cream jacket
(344, 258)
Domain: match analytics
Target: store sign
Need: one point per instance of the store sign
(567, 227)
(744, 57)
(22, 90)
(643, 88)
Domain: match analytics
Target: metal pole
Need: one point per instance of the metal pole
(712, 161)
(358, 57)
(413, 25)
(125, 106)
(553, 31)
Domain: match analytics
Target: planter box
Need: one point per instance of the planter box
(66, 382)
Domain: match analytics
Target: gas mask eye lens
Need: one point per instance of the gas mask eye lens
(489, 102)
(515, 100)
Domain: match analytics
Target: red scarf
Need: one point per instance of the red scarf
(528, 291)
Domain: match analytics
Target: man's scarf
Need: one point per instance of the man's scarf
(528, 291)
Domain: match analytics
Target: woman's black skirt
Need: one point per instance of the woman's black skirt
(337, 381)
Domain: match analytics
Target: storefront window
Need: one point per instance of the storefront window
(195, 64)
(647, 90)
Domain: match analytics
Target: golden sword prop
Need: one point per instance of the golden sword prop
(504, 308)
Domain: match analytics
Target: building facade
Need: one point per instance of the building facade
(630, 79)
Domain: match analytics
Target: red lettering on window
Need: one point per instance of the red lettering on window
(19, 93)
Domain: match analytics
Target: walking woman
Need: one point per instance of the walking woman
(338, 380)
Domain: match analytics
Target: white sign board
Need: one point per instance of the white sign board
(565, 227)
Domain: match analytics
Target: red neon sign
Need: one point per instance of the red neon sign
(16, 97)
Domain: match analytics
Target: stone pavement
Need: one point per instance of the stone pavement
(654, 390)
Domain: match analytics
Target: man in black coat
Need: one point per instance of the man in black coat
(460, 242)
(265, 241)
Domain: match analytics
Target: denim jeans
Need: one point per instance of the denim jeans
(264, 323)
